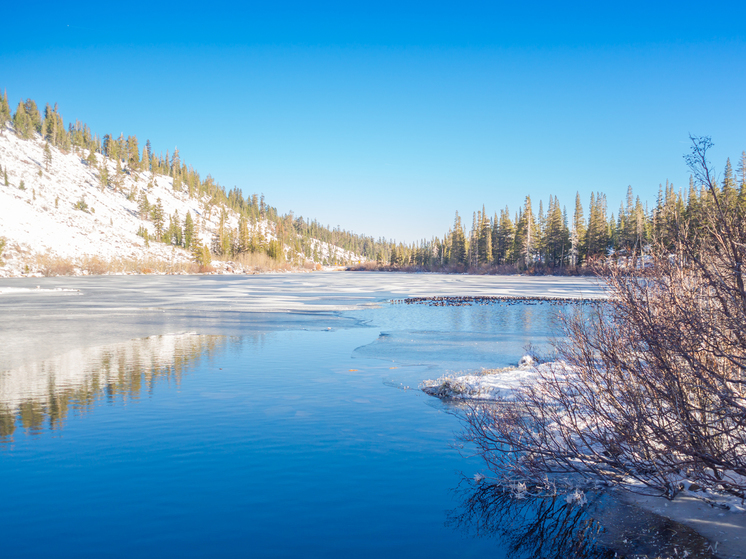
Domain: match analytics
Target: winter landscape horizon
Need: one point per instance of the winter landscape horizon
(385, 279)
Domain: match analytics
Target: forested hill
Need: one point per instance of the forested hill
(72, 201)
(75, 202)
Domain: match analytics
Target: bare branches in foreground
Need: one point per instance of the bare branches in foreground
(650, 391)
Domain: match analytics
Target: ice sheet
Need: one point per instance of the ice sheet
(109, 309)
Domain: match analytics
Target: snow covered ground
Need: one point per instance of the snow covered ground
(489, 385)
(44, 219)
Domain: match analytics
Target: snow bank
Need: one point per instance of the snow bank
(491, 384)
(45, 217)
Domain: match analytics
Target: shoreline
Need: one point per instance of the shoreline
(723, 526)
(719, 526)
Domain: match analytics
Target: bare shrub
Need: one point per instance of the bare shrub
(261, 262)
(152, 266)
(98, 266)
(370, 266)
(95, 265)
(653, 390)
(51, 265)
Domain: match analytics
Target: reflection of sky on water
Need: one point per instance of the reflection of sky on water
(267, 447)
(454, 338)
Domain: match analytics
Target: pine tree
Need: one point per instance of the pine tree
(175, 164)
(729, 186)
(133, 153)
(484, 240)
(598, 228)
(473, 245)
(49, 127)
(627, 225)
(540, 229)
(158, 218)
(5, 116)
(525, 235)
(742, 180)
(33, 112)
(395, 258)
(577, 233)
(556, 236)
(143, 206)
(188, 230)
(22, 122)
(505, 233)
(47, 156)
(106, 145)
(121, 148)
(244, 239)
(118, 177)
(458, 242)
(201, 254)
(103, 175)
(145, 163)
(222, 241)
(173, 235)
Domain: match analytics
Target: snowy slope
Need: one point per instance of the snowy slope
(42, 219)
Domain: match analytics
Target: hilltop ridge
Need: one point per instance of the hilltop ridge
(77, 211)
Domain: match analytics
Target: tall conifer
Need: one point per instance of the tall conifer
(458, 242)
(22, 122)
(33, 112)
(5, 116)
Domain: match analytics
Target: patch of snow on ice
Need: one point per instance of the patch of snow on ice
(38, 289)
(497, 384)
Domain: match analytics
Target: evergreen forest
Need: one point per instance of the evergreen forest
(552, 241)
(547, 239)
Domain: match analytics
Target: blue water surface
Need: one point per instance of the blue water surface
(302, 437)
(269, 446)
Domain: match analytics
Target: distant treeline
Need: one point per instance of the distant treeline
(550, 241)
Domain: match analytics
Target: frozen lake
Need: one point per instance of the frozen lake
(262, 416)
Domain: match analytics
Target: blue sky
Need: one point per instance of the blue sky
(386, 117)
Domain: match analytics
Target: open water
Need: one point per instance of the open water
(267, 416)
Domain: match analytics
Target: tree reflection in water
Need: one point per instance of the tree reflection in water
(553, 528)
(43, 394)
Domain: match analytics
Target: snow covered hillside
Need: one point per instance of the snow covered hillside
(55, 216)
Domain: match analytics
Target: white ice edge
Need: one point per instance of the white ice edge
(23, 290)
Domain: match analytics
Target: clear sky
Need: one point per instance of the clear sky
(386, 117)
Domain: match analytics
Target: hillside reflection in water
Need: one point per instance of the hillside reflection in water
(43, 394)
